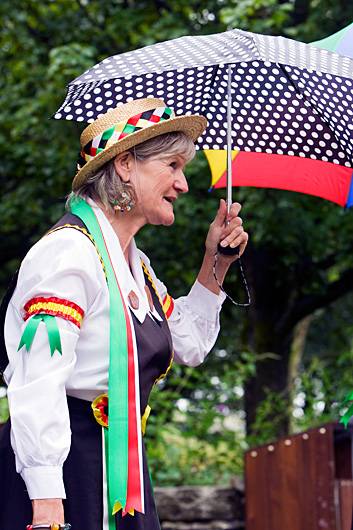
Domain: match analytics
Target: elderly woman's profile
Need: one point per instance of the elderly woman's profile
(89, 329)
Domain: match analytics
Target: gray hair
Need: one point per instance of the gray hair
(106, 184)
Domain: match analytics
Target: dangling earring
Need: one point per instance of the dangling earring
(125, 199)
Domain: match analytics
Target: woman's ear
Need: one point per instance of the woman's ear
(123, 165)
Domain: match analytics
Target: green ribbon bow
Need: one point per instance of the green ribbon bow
(347, 416)
(52, 329)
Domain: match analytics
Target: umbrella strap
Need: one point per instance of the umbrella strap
(243, 277)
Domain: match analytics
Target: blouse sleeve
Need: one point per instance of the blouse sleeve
(59, 277)
(193, 320)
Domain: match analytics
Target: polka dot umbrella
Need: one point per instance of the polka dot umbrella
(304, 175)
(261, 94)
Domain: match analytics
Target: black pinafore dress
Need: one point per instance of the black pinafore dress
(83, 468)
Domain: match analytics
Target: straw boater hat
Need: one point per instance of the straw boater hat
(130, 124)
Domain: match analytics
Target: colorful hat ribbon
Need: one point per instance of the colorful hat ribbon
(121, 129)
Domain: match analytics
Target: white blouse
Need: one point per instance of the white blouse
(65, 264)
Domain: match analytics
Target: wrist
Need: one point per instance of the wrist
(54, 526)
(209, 252)
(206, 274)
(224, 259)
(48, 511)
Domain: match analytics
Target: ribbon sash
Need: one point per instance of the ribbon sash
(124, 487)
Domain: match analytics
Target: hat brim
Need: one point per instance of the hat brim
(193, 126)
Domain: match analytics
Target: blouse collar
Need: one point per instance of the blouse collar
(131, 279)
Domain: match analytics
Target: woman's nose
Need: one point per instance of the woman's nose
(181, 184)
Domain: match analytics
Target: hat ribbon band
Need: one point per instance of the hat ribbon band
(121, 129)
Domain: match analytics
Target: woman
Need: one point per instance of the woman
(88, 319)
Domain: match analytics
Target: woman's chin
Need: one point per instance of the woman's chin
(167, 220)
(159, 218)
(163, 217)
(170, 221)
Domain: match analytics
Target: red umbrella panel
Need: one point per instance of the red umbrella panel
(329, 181)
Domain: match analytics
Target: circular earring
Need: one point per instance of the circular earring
(125, 199)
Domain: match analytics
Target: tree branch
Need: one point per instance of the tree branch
(310, 303)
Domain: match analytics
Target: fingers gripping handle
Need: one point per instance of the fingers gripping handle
(228, 251)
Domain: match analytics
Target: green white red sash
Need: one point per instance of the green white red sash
(123, 435)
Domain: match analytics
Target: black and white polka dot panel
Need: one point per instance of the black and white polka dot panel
(229, 47)
(184, 52)
(275, 108)
(287, 97)
(293, 53)
(185, 90)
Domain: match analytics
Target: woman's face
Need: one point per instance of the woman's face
(158, 182)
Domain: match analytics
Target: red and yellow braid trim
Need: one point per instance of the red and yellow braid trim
(57, 307)
(168, 305)
(168, 302)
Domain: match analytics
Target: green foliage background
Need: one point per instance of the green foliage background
(302, 245)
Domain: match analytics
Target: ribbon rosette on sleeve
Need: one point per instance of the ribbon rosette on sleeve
(46, 309)
(123, 443)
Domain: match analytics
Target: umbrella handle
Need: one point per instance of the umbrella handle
(228, 251)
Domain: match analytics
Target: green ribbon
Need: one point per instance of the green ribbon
(111, 518)
(347, 416)
(117, 437)
(52, 329)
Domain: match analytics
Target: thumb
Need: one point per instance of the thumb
(221, 215)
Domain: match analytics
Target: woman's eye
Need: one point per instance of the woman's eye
(174, 165)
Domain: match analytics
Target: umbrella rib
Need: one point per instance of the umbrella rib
(306, 102)
(211, 84)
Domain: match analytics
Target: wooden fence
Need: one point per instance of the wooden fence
(302, 482)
